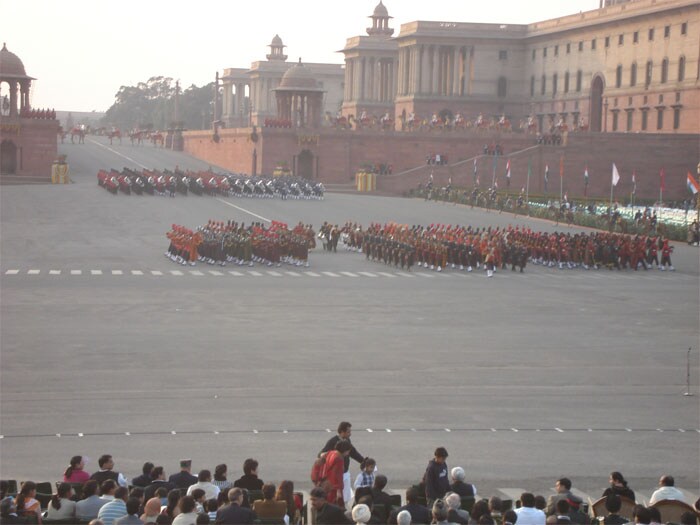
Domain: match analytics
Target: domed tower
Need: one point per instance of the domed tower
(12, 71)
(380, 22)
(277, 49)
(299, 99)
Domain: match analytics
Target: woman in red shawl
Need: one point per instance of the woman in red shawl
(333, 472)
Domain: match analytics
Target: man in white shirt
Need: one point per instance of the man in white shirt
(211, 491)
(528, 514)
(666, 490)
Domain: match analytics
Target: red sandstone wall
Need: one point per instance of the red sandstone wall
(341, 153)
(36, 143)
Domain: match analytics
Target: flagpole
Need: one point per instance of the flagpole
(527, 186)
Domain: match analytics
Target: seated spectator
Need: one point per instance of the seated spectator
(234, 512)
(509, 517)
(613, 504)
(361, 514)
(403, 518)
(379, 497)
(187, 514)
(210, 507)
(268, 507)
(419, 513)
(61, 506)
(440, 512)
(666, 490)
(199, 498)
(202, 519)
(641, 514)
(75, 473)
(171, 509)
(157, 482)
(618, 485)
(145, 479)
(151, 510)
(26, 504)
(455, 514)
(162, 495)
(8, 512)
(326, 513)
(132, 513)
(106, 463)
(540, 502)
(115, 509)
(495, 508)
(137, 493)
(563, 488)
(183, 479)
(250, 479)
(561, 514)
(480, 508)
(528, 514)
(459, 486)
(689, 518)
(204, 483)
(655, 516)
(285, 492)
(107, 489)
(220, 480)
(88, 507)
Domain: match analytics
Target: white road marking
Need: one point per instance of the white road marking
(427, 275)
(330, 274)
(117, 153)
(214, 272)
(175, 272)
(156, 272)
(386, 274)
(33, 272)
(402, 274)
(195, 272)
(136, 272)
(237, 274)
(293, 274)
(255, 274)
(313, 274)
(11, 272)
(243, 210)
(274, 274)
(349, 274)
(76, 272)
(95, 272)
(117, 272)
(367, 274)
(54, 272)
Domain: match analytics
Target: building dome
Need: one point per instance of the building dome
(10, 65)
(276, 41)
(380, 10)
(299, 77)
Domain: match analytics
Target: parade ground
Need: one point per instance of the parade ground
(109, 347)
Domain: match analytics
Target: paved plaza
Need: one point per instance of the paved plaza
(109, 347)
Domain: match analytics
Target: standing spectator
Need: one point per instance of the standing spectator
(61, 506)
(145, 479)
(184, 478)
(528, 514)
(132, 513)
(116, 508)
(436, 481)
(220, 480)
(106, 471)
(333, 474)
(75, 473)
(344, 432)
(158, 481)
(618, 485)
(26, 503)
(249, 480)
(268, 507)
(366, 476)
(187, 514)
(326, 513)
(204, 483)
(459, 486)
(234, 512)
(88, 507)
(666, 490)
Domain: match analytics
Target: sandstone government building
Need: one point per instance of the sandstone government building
(622, 81)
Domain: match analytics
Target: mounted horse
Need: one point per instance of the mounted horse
(136, 137)
(77, 132)
(157, 139)
(114, 134)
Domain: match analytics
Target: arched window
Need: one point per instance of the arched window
(618, 77)
(532, 86)
(502, 87)
(579, 80)
(633, 74)
(566, 82)
(544, 84)
(681, 69)
(647, 78)
(664, 71)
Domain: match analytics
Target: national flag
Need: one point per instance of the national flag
(693, 185)
(662, 176)
(585, 175)
(634, 183)
(615, 175)
(546, 176)
(475, 167)
(508, 173)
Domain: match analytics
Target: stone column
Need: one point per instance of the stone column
(13, 98)
(455, 71)
(436, 69)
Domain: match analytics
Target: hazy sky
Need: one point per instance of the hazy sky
(82, 51)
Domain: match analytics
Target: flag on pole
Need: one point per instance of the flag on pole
(615, 175)
(585, 176)
(546, 176)
(662, 176)
(474, 178)
(508, 173)
(634, 183)
(495, 184)
(693, 185)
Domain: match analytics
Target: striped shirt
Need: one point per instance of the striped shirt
(112, 511)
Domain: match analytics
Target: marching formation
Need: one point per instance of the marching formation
(440, 246)
(221, 243)
(171, 183)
